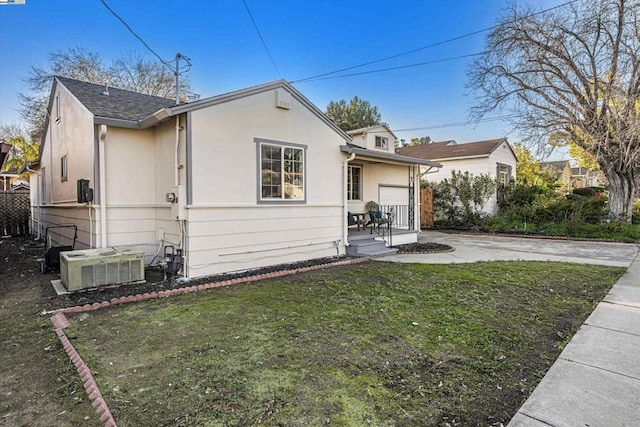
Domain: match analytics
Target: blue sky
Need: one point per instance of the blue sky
(305, 38)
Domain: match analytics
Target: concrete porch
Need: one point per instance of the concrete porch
(365, 243)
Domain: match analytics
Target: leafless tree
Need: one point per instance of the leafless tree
(130, 72)
(134, 72)
(572, 75)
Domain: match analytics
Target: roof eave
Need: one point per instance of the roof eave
(155, 118)
(397, 158)
(477, 156)
(121, 123)
(29, 166)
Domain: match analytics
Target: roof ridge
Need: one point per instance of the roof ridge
(110, 86)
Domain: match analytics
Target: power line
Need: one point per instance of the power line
(456, 124)
(316, 77)
(261, 38)
(136, 35)
(390, 68)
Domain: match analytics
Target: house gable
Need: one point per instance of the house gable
(224, 148)
(376, 137)
(67, 148)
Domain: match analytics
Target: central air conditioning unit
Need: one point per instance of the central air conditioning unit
(99, 267)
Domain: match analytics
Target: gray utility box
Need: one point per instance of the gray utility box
(99, 267)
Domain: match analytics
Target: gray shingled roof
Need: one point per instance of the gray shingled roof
(449, 149)
(119, 104)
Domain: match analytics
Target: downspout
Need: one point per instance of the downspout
(176, 177)
(102, 136)
(345, 201)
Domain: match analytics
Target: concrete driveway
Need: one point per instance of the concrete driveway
(473, 248)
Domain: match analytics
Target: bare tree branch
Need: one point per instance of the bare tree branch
(573, 74)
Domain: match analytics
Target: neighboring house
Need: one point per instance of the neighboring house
(246, 179)
(9, 179)
(561, 171)
(582, 177)
(493, 157)
(5, 182)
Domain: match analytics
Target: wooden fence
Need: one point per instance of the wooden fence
(15, 209)
(426, 207)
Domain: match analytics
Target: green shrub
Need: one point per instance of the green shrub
(459, 200)
(635, 219)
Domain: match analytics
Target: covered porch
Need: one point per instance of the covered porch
(381, 198)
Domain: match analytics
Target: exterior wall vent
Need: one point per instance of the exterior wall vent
(283, 99)
(99, 267)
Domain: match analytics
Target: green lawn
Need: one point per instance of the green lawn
(368, 344)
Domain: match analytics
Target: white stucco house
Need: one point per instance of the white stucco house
(493, 157)
(246, 179)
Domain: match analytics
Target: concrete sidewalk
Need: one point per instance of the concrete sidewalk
(595, 381)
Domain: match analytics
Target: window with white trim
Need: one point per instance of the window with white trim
(354, 182)
(63, 168)
(282, 172)
(382, 142)
(503, 174)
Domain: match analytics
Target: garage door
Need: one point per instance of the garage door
(398, 197)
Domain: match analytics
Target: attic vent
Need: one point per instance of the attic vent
(106, 90)
(283, 99)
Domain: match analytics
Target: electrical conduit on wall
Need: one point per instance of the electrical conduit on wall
(102, 136)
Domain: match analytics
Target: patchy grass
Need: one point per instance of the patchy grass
(369, 344)
(38, 384)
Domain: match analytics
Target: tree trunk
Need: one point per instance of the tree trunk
(622, 193)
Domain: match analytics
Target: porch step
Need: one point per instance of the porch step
(369, 248)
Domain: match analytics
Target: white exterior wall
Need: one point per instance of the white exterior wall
(140, 171)
(228, 229)
(53, 200)
(72, 135)
(476, 166)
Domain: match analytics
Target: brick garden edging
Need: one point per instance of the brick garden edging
(60, 322)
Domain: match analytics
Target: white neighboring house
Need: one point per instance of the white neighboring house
(493, 157)
(242, 180)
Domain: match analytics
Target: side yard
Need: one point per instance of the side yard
(38, 385)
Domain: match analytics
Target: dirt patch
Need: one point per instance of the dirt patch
(38, 385)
